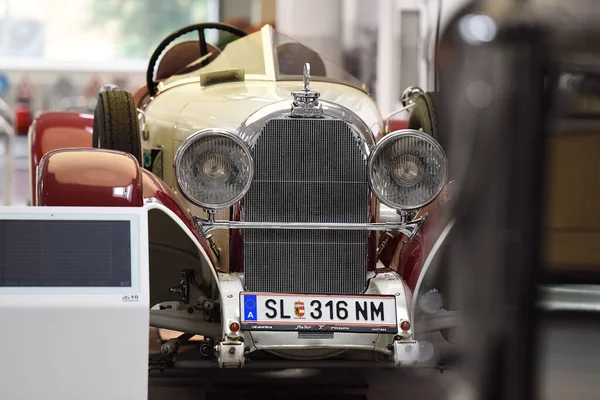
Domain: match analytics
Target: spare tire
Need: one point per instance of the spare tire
(116, 124)
(424, 115)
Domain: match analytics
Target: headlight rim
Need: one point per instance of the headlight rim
(222, 132)
(381, 144)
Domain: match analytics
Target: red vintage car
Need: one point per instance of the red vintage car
(286, 220)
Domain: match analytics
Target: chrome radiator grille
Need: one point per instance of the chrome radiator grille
(307, 170)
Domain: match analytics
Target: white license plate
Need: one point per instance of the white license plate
(291, 312)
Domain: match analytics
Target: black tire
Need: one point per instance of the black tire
(424, 115)
(116, 124)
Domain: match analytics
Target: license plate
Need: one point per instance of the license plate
(291, 312)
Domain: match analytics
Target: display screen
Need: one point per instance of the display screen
(47, 253)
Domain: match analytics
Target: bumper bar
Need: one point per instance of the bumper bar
(407, 228)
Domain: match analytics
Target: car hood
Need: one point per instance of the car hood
(182, 110)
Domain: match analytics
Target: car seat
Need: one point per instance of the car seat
(175, 61)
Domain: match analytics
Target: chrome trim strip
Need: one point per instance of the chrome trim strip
(409, 228)
(142, 124)
(570, 298)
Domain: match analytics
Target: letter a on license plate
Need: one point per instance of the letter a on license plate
(289, 312)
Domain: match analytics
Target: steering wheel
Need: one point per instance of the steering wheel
(200, 28)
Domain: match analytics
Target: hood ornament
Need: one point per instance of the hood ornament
(306, 102)
(306, 77)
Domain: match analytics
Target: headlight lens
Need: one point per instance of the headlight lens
(407, 169)
(214, 168)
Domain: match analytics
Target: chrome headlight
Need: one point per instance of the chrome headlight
(213, 168)
(407, 169)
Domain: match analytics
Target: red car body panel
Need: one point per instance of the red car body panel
(408, 257)
(56, 130)
(157, 191)
(398, 124)
(87, 177)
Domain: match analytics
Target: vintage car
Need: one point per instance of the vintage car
(286, 220)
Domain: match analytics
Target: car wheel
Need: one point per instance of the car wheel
(116, 124)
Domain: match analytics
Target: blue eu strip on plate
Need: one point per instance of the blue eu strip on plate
(250, 312)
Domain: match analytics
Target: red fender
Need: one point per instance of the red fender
(408, 257)
(413, 256)
(86, 177)
(55, 130)
(158, 191)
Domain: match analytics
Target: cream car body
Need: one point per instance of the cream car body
(299, 260)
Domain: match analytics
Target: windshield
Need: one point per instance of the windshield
(268, 55)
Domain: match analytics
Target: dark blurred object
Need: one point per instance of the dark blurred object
(579, 91)
(500, 74)
(496, 85)
(572, 221)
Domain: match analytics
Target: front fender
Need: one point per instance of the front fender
(86, 177)
(409, 255)
(157, 191)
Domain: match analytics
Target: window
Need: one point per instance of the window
(94, 30)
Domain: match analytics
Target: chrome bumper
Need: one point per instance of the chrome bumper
(407, 228)
(402, 349)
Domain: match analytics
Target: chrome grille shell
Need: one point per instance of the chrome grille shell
(307, 170)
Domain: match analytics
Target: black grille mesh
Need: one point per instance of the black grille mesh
(307, 170)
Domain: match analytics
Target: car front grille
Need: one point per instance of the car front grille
(307, 170)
